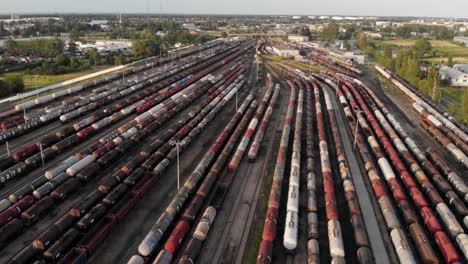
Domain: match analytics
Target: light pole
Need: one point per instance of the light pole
(42, 155)
(357, 127)
(236, 99)
(160, 55)
(7, 148)
(177, 144)
(35, 84)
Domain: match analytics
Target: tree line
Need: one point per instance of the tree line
(407, 64)
(42, 47)
(11, 85)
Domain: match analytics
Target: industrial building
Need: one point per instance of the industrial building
(461, 39)
(286, 51)
(454, 76)
(461, 67)
(295, 38)
(106, 46)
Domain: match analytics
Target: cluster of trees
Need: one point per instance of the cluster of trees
(50, 28)
(330, 32)
(47, 48)
(301, 31)
(439, 32)
(145, 47)
(11, 84)
(407, 64)
(150, 45)
(350, 31)
(62, 64)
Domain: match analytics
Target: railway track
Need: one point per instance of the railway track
(73, 200)
(230, 242)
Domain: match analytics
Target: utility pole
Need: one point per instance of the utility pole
(160, 55)
(42, 155)
(7, 148)
(357, 127)
(35, 84)
(177, 144)
(236, 99)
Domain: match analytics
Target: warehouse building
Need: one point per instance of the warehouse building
(453, 76)
(286, 51)
(295, 38)
(461, 39)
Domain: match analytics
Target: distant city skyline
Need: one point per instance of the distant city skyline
(417, 8)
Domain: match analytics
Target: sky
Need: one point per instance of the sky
(432, 8)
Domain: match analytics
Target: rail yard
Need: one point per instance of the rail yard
(221, 156)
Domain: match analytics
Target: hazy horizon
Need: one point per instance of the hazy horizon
(396, 8)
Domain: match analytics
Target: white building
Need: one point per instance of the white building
(454, 76)
(461, 39)
(286, 51)
(190, 26)
(294, 38)
(373, 34)
(348, 56)
(461, 67)
(103, 24)
(107, 46)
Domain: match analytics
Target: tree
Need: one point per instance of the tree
(93, 56)
(15, 83)
(119, 59)
(72, 47)
(12, 47)
(145, 47)
(2, 28)
(330, 32)
(388, 57)
(346, 45)
(224, 34)
(74, 35)
(362, 40)
(62, 60)
(422, 47)
(75, 63)
(450, 62)
(4, 91)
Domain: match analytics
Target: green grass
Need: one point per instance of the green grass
(441, 47)
(30, 80)
(273, 58)
(454, 95)
(410, 42)
(62, 78)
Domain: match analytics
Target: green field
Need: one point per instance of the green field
(454, 96)
(30, 81)
(442, 47)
